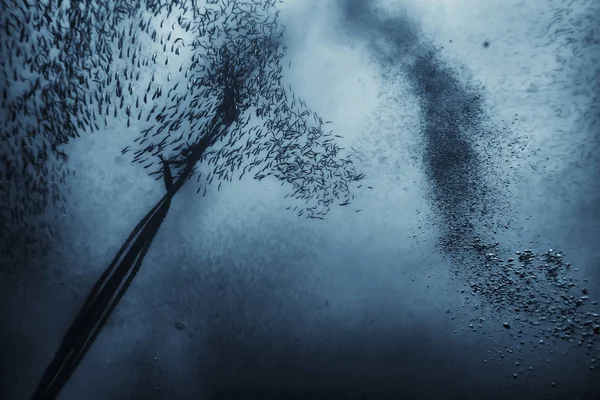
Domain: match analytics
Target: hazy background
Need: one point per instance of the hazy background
(364, 303)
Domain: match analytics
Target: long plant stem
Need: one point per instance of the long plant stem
(100, 304)
(116, 279)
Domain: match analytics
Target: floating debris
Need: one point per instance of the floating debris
(541, 292)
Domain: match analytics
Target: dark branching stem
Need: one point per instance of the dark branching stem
(100, 304)
(114, 282)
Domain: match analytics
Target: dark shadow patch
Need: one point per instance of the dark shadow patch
(253, 352)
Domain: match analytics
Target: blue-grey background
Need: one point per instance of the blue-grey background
(364, 304)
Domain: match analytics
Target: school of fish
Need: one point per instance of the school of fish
(157, 70)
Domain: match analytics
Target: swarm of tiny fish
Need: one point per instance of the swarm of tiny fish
(46, 92)
(275, 133)
(158, 70)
